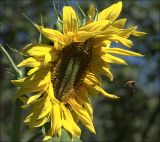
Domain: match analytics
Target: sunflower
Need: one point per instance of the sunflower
(62, 76)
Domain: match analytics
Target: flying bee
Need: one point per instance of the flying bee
(130, 84)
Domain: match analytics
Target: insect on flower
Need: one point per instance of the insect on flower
(65, 74)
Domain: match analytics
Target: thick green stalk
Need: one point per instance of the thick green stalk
(16, 111)
(16, 121)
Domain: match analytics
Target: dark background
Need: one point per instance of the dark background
(135, 117)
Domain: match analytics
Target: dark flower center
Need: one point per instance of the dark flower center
(70, 69)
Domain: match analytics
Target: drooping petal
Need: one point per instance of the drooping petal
(83, 97)
(82, 114)
(56, 120)
(19, 81)
(92, 78)
(33, 70)
(68, 122)
(34, 97)
(50, 92)
(47, 108)
(106, 71)
(39, 78)
(33, 83)
(100, 90)
(41, 121)
(112, 59)
(36, 111)
(111, 13)
(100, 66)
(30, 62)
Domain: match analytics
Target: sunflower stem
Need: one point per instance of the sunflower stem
(16, 121)
(16, 111)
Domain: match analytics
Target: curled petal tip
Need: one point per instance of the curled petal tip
(116, 97)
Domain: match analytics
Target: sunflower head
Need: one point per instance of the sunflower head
(63, 75)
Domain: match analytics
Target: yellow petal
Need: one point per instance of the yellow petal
(83, 96)
(100, 90)
(50, 58)
(107, 72)
(125, 33)
(102, 68)
(30, 62)
(107, 43)
(112, 59)
(29, 89)
(40, 122)
(51, 34)
(115, 35)
(33, 70)
(33, 83)
(28, 118)
(138, 33)
(47, 137)
(92, 78)
(91, 90)
(32, 118)
(19, 81)
(37, 50)
(111, 13)
(46, 109)
(40, 78)
(124, 41)
(70, 23)
(88, 82)
(119, 23)
(82, 115)
(97, 25)
(33, 98)
(84, 35)
(68, 122)
(56, 120)
(122, 52)
(50, 92)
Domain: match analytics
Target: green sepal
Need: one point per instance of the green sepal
(18, 72)
(65, 136)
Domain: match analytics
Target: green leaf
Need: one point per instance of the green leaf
(54, 139)
(65, 137)
(76, 140)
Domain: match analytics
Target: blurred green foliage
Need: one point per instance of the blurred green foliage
(135, 117)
